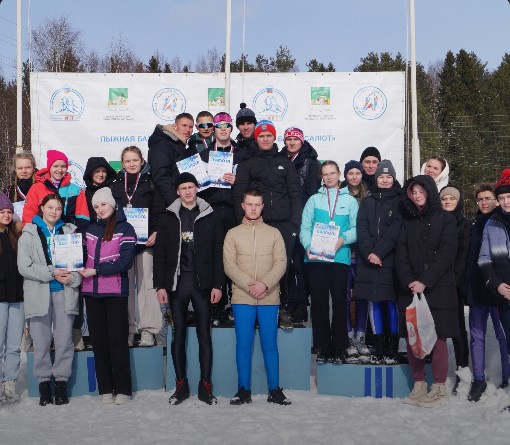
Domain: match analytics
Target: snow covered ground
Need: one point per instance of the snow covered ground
(311, 419)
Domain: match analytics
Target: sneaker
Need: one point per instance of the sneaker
(337, 358)
(299, 314)
(323, 356)
(122, 399)
(276, 395)
(11, 396)
(61, 393)
(45, 393)
(456, 385)
(435, 397)
(417, 394)
(181, 392)
(79, 344)
(147, 339)
(476, 390)
(107, 399)
(131, 339)
(242, 396)
(284, 319)
(351, 353)
(205, 392)
(363, 351)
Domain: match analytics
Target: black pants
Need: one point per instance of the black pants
(297, 279)
(328, 279)
(108, 329)
(188, 289)
(460, 343)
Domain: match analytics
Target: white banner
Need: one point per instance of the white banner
(93, 114)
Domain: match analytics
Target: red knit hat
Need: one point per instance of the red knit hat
(503, 185)
(264, 126)
(294, 132)
(55, 155)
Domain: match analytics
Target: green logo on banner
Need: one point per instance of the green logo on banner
(320, 96)
(118, 98)
(216, 97)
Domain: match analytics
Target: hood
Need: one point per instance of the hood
(203, 206)
(307, 151)
(159, 135)
(44, 175)
(94, 163)
(39, 222)
(433, 202)
(443, 177)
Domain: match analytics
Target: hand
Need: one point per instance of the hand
(340, 242)
(310, 256)
(64, 278)
(230, 178)
(87, 272)
(374, 259)
(60, 273)
(416, 287)
(215, 295)
(258, 289)
(504, 290)
(162, 296)
(151, 240)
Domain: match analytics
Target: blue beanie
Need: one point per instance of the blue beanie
(352, 164)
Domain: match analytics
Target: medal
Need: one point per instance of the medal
(332, 223)
(128, 205)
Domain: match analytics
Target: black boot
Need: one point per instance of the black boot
(456, 385)
(205, 392)
(45, 393)
(276, 395)
(61, 393)
(181, 392)
(476, 390)
(391, 355)
(242, 396)
(379, 344)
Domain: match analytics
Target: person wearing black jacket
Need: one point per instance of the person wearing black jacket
(245, 123)
(98, 174)
(304, 158)
(188, 265)
(369, 160)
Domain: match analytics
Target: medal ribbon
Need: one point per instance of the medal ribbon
(129, 198)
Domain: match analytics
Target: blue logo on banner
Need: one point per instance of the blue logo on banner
(270, 104)
(369, 103)
(168, 103)
(66, 104)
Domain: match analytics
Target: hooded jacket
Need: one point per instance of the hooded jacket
(426, 252)
(442, 179)
(90, 188)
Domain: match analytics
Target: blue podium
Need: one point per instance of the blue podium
(293, 346)
(146, 372)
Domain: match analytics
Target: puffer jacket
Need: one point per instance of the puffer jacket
(90, 188)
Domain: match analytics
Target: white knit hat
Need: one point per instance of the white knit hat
(103, 195)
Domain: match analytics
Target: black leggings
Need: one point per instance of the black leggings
(188, 289)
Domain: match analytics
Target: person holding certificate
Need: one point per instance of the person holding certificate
(51, 298)
(133, 190)
(328, 227)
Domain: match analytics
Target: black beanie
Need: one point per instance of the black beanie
(370, 151)
(185, 177)
(245, 115)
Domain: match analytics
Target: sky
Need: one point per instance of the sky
(337, 31)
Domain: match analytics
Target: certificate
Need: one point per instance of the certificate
(18, 210)
(324, 238)
(220, 162)
(68, 252)
(138, 217)
(196, 167)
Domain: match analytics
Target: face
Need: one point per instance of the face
(222, 131)
(419, 195)
(449, 202)
(246, 129)
(51, 211)
(99, 176)
(205, 127)
(184, 127)
(265, 140)
(104, 210)
(188, 193)
(385, 181)
(132, 162)
(353, 177)
(5, 217)
(293, 145)
(24, 168)
(433, 168)
(370, 164)
(330, 176)
(252, 206)
(504, 201)
(58, 170)
(486, 202)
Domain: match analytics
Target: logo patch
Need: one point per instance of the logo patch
(66, 104)
(270, 103)
(369, 103)
(168, 103)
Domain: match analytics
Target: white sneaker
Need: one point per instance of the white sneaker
(131, 339)
(11, 396)
(79, 344)
(418, 393)
(107, 399)
(2, 393)
(147, 339)
(435, 397)
(121, 399)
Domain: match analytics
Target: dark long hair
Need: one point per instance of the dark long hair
(111, 223)
(14, 233)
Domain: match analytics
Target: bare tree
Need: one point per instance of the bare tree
(176, 65)
(201, 65)
(213, 60)
(121, 58)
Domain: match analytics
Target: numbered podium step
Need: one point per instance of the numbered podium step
(293, 346)
(146, 372)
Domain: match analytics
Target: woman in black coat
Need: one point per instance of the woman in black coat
(424, 263)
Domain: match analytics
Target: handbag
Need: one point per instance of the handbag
(421, 330)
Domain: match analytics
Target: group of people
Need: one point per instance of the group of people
(251, 247)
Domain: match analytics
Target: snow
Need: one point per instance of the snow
(311, 419)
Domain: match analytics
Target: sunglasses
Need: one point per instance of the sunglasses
(223, 125)
(206, 125)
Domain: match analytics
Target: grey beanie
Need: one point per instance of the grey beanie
(245, 115)
(385, 166)
(104, 195)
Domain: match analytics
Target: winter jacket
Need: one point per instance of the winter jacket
(254, 251)
(12, 191)
(275, 177)
(308, 169)
(377, 231)
(35, 266)
(111, 259)
(460, 265)
(494, 259)
(477, 294)
(208, 238)
(317, 210)
(75, 209)
(197, 142)
(442, 179)
(90, 188)
(11, 282)
(165, 149)
(426, 252)
(249, 146)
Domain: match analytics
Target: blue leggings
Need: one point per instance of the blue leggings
(244, 317)
(377, 311)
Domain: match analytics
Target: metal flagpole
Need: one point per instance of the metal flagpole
(227, 57)
(19, 83)
(415, 142)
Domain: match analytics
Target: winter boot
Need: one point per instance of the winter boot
(417, 394)
(122, 399)
(242, 396)
(323, 356)
(10, 391)
(45, 393)
(205, 392)
(337, 358)
(146, 339)
(181, 392)
(299, 314)
(61, 393)
(504, 384)
(351, 353)
(2, 393)
(284, 319)
(476, 390)
(276, 395)
(435, 397)
(378, 355)
(78, 342)
(363, 351)
(391, 355)
(456, 385)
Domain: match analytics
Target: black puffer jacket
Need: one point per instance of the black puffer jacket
(248, 146)
(426, 252)
(275, 177)
(90, 188)
(378, 230)
(11, 282)
(308, 170)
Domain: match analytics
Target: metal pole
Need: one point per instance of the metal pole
(227, 57)
(19, 83)
(415, 142)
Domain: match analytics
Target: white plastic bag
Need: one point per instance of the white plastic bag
(421, 329)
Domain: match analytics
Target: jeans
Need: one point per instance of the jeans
(12, 321)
